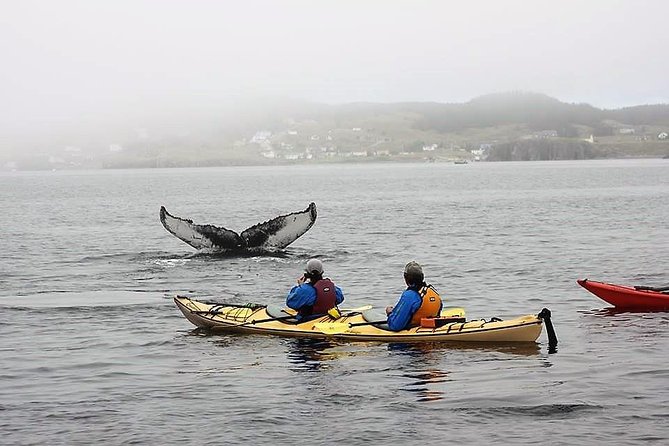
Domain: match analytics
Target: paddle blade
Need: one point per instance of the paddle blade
(357, 309)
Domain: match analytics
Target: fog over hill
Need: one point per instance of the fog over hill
(288, 130)
(134, 83)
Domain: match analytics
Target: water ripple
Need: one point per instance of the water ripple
(553, 411)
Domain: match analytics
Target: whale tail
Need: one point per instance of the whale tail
(270, 235)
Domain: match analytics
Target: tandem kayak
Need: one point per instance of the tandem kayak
(359, 325)
(628, 297)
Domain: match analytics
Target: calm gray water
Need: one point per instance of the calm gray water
(94, 351)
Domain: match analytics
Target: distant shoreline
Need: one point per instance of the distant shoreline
(325, 163)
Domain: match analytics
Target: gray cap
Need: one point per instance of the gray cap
(413, 269)
(314, 265)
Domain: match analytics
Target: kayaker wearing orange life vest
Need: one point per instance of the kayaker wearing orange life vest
(313, 295)
(419, 300)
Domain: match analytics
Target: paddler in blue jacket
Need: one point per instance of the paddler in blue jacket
(419, 300)
(314, 295)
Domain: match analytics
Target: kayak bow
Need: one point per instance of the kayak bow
(627, 297)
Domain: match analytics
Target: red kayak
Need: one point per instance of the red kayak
(629, 297)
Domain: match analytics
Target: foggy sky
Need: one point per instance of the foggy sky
(72, 60)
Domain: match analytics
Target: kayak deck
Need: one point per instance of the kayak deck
(256, 319)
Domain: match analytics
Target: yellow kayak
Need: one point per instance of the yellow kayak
(358, 325)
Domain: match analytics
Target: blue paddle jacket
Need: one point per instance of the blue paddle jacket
(410, 301)
(305, 295)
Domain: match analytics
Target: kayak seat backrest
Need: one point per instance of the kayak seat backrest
(376, 314)
(373, 315)
(276, 311)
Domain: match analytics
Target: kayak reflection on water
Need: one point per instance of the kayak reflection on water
(423, 363)
(426, 384)
(312, 354)
(420, 349)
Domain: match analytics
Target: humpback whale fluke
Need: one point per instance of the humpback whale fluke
(270, 235)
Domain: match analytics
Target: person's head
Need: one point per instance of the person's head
(314, 269)
(413, 274)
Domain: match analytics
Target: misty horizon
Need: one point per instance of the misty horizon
(76, 66)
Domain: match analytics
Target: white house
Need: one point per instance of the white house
(663, 135)
(56, 160)
(545, 134)
(262, 135)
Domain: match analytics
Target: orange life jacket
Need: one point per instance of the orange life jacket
(430, 307)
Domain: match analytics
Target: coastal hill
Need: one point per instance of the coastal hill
(496, 127)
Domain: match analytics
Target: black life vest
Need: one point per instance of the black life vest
(326, 298)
